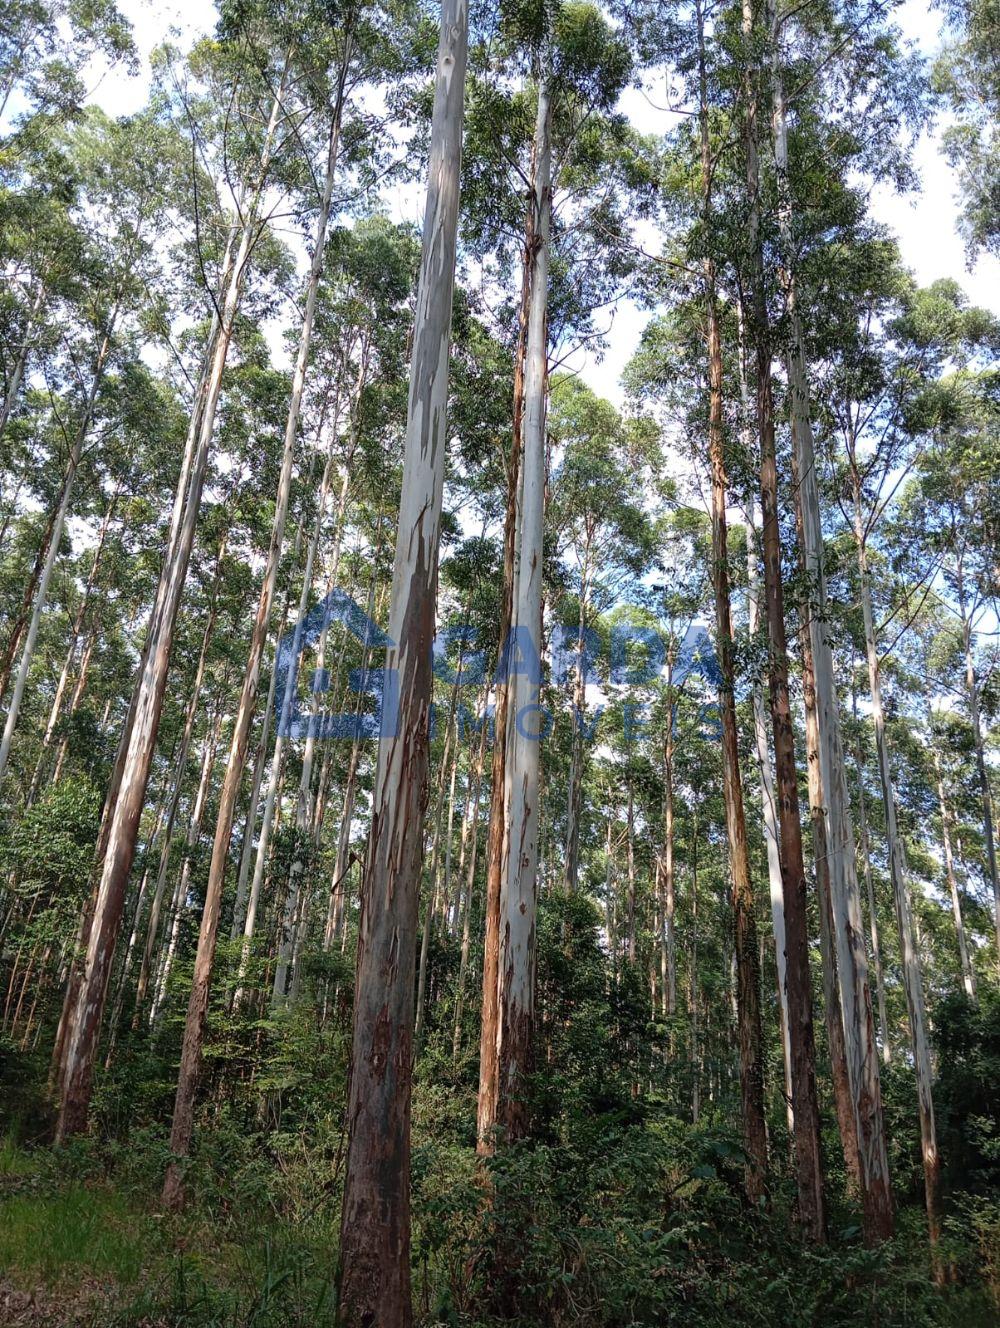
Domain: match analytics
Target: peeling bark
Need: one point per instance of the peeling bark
(374, 1290)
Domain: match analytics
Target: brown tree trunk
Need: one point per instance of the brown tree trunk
(805, 1105)
(745, 925)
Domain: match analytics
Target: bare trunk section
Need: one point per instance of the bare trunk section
(525, 725)
(972, 695)
(749, 1030)
(466, 910)
(866, 862)
(486, 1108)
(852, 963)
(575, 788)
(374, 1289)
(912, 976)
(771, 835)
(668, 885)
(809, 1169)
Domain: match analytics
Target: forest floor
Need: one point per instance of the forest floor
(88, 1253)
(84, 1243)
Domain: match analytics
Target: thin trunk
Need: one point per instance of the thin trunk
(28, 651)
(287, 662)
(85, 1023)
(184, 749)
(968, 972)
(972, 694)
(667, 872)
(912, 976)
(574, 790)
(74, 640)
(184, 876)
(866, 860)
(197, 1013)
(20, 621)
(473, 825)
(17, 373)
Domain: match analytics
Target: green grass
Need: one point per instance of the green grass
(46, 1238)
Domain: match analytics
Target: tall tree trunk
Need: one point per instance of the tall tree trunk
(667, 875)
(85, 1023)
(832, 1011)
(197, 1013)
(912, 977)
(749, 1030)
(768, 802)
(575, 786)
(852, 963)
(519, 877)
(375, 1232)
(486, 1107)
(809, 1168)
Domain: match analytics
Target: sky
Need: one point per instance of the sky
(924, 222)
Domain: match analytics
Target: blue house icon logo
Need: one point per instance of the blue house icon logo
(295, 721)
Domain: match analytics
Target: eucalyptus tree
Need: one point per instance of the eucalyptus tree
(375, 1231)
(44, 50)
(558, 137)
(261, 104)
(333, 58)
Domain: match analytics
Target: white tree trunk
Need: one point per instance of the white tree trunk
(771, 840)
(525, 722)
(912, 977)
